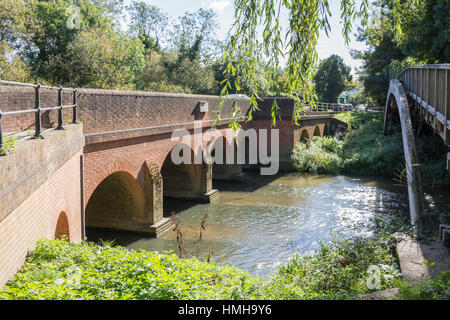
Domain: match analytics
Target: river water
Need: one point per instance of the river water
(257, 225)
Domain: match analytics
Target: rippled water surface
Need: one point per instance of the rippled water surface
(259, 224)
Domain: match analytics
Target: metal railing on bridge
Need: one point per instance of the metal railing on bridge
(428, 85)
(324, 107)
(37, 107)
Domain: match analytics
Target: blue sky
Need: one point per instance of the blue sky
(334, 44)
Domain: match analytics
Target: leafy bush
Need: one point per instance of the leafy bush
(57, 269)
(340, 268)
(317, 156)
(329, 144)
(366, 151)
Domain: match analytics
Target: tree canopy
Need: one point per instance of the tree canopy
(400, 34)
(82, 44)
(257, 35)
(332, 77)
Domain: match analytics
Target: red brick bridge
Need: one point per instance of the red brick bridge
(113, 169)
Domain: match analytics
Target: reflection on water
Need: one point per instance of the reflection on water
(259, 224)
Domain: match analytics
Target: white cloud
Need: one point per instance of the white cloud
(217, 6)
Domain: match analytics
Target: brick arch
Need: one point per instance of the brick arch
(304, 136)
(62, 227)
(118, 201)
(316, 132)
(167, 145)
(226, 170)
(100, 175)
(226, 146)
(179, 180)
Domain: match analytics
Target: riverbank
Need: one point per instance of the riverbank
(365, 151)
(57, 269)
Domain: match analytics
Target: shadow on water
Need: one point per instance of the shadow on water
(125, 238)
(121, 238)
(254, 181)
(173, 205)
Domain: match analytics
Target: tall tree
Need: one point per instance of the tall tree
(332, 78)
(255, 18)
(60, 22)
(402, 33)
(17, 25)
(192, 33)
(102, 59)
(376, 71)
(425, 33)
(149, 23)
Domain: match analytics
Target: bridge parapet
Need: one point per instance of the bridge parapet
(286, 108)
(428, 85)
(116, 110)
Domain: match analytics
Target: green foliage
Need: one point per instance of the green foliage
(61, 270)
(193, 33)
(366, 151)
(53, 42)
(13, 69)
(258, 19)
(148, 23)
(340, 268)
(425, 30)
(402, 33)
(436, 288)
(55, 35)
(317, 156)
(358, 97)
(376, 72)
(332, 78)
(101, 59)
(57, 269)
(155, 174)
(193, 77)
(9, 145)
(17, 21)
